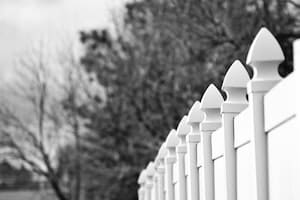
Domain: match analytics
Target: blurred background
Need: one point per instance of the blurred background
(89, 89)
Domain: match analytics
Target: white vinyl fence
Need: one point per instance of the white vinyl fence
(238, 149)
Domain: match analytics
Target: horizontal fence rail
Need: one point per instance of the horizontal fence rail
(239, 148)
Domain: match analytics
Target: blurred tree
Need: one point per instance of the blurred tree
(14, 177)
(155, 65)
(40, 117)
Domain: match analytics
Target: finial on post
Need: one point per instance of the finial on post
(150, 170)
(211, 105)
(156, 162)
(264, 56)
(183, 129)
(195, 115)
(142, 177)
(162, 151)
(235, 87)
(172, 141)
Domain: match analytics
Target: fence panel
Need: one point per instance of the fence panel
(232, 150)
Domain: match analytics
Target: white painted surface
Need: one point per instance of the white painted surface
(199, 155)
(177, 189)
(201, 189)
(284, 161)
(219, 166)
(280, 103)
(245, 173)
(153, 193)
(175, 171)
(242, 127)
(188, 188)
(186, 164)
(264, 165)
(217, 139)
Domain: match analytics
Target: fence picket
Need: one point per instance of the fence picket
(265, 65)
(211, 105)
(161, 171)
(149, 180)
(235, 86)
(141, 182)
(170, 160)
(156, 178)
(195, 117)
(182, 130)
(231, 131)
(296, 47)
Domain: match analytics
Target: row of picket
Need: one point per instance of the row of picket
(192, 148)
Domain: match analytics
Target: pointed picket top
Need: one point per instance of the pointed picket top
(264, 48)
(142, 177)
(172, 139)
(150, 170)
(156, 162)
(195, 115)
(162, 151)
(183, 128)
(235, 84)
(236, 76)
(211, 98)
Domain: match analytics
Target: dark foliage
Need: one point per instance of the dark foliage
(156, 66)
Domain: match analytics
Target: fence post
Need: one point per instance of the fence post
(211, 104)
(235, 86)
(161, 171)
(195, 117)
(149, 180)
(182, 130)
(156, 178)
(296, 49)
(171, 144)
(141, 182)
(264, 57)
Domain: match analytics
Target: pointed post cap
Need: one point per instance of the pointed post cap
(183, 128)
(156, 161)
(142, 177)
(195, 115)
(162, 151)
(150, 170)
(236, 76)
(211, 106)
(212, 99)
(235, 86)
(172, 139)
(264, 48)
(264, 56)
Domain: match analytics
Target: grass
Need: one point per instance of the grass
(24, 195)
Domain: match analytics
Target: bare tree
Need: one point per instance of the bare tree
(39, 114)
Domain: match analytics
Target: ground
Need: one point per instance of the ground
(25, 195)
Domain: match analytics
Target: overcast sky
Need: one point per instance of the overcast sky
(23, 21)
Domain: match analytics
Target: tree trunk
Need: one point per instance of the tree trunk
(77, 189)
(59, 194)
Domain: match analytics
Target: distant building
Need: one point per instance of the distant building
(20, 184)
(13, 178)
